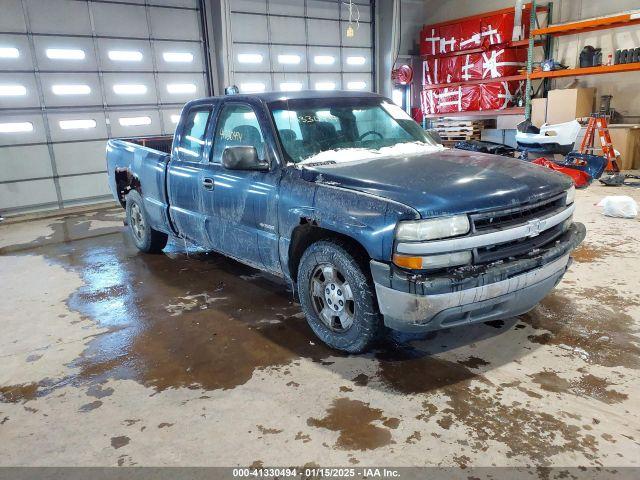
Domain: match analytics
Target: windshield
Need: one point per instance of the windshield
(308, 127)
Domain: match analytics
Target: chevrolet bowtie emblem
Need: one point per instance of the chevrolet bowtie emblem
(534, 227)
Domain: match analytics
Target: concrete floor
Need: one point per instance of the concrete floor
(111, 357)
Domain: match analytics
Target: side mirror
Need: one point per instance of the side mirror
(243, 158)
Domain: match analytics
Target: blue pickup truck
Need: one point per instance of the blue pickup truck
(344, 195)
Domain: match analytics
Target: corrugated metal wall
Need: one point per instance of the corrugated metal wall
(299, 44)
(75, 72)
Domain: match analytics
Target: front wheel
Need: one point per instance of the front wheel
(337, 298)
(146, 238)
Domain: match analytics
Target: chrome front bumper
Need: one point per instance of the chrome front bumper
(415, 309)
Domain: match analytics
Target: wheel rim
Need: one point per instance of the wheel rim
(137, 221)
(332, 298)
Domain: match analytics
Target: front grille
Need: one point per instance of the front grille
(501, 219)
(516, 248)
(510, 218)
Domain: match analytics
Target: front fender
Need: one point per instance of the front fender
(368, 219)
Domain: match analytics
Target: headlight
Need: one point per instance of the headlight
(571, 195)
(433, 262)
(445, 227)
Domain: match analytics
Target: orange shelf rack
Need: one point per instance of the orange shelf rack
(576, 72)
(623, 19)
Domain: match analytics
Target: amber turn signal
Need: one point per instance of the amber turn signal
(413, 263)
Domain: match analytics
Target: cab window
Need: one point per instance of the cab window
(237, 126)
(193, 132)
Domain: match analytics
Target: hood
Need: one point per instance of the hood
(445, 183)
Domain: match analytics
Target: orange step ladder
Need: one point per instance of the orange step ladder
(599, 122)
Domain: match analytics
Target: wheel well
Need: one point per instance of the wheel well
(308, 232)
(125, 182)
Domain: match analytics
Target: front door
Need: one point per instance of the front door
(243, 221)
(185, 173)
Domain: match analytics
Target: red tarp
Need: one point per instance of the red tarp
(450, 38)
(465, 98)
(470, 67)
(500, 95)
(492, 33)
(430, 41)
(469, 34)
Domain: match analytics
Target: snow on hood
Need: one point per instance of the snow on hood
(345, 155)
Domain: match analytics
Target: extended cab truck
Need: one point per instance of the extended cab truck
(344, 195)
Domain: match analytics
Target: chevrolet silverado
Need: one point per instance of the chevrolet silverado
(345, 196)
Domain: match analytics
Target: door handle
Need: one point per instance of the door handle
(207, 183)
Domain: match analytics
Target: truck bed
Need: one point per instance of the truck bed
(130, 165)
(161, 143)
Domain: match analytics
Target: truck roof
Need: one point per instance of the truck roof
(269, 97)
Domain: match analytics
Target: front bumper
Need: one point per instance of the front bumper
(416, 303)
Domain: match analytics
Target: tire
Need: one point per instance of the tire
(352, 326)
(146, 238)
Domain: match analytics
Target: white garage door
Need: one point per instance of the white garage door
(74, 73)
(300, 44)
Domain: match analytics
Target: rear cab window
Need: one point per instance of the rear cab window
(192, 139)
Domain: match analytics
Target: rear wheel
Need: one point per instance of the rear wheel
(338, 298)
(146, 238)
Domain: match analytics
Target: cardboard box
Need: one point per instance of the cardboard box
(569, 104)
(538, 111)
(626, 140)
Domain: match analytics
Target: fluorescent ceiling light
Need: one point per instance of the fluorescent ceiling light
(175, 118)
(129, 89)
(325, 85)
(9, 52)
(181, 88)
(289, 59)
(134, 121)
(324, 59)
(291, 86)
(181, 57)
(65, 54)
(249, 58)
(356, 85)
(77, 124)
(252, 87)
(358, 60)
(12, 90)
(16, 127)
(71, 89)
(125, 55)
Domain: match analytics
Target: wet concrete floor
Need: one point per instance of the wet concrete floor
(112, 357)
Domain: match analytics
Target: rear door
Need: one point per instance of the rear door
(185, 174)
(243, 207)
